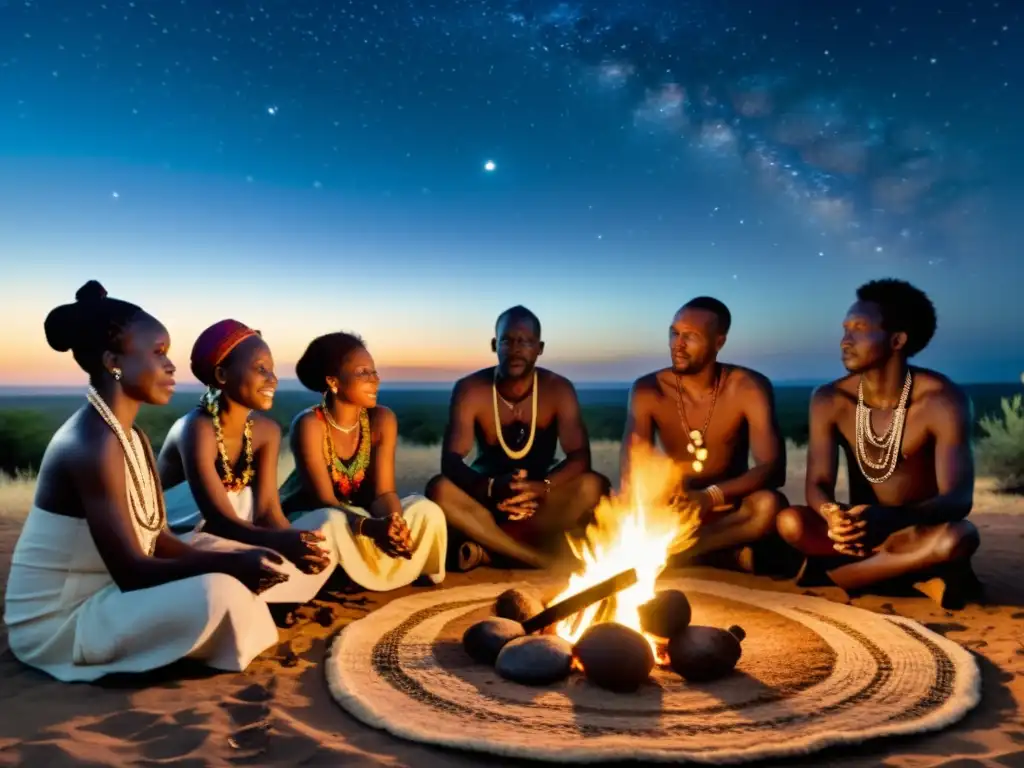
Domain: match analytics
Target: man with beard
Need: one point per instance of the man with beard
(711, 417)
(905, 433)
(513, 500)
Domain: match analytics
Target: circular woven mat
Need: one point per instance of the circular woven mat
(813, 674)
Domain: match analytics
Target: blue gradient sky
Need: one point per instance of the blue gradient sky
(308, 168)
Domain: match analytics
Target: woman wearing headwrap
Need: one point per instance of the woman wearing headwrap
(219, 464)
(344, 452)
(98, 584)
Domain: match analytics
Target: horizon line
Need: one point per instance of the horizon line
(293, 385)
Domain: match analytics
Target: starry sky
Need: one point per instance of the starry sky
(408, 169)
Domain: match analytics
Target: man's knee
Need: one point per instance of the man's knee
(791, 524)
(957, 541)
(439, 489)
(765, 507)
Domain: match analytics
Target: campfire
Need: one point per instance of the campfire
(637, 530)
(610, 622)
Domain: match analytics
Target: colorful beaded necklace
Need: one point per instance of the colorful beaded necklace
(346, 477)
(210, 402)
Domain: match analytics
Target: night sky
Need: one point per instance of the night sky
(408, 169)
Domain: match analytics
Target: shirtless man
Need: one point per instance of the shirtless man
(513, 498)
(720, 413)
(905, 433)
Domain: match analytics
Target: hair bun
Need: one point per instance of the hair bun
(62, 326)
(90, 292)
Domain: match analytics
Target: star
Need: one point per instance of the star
(271, 110)
(489, 166)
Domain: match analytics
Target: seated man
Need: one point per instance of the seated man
(711, 416)
(905, 433)
(513, 500)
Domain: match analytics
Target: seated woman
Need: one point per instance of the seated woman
(219, 464)
(97, 583)
(345, 460)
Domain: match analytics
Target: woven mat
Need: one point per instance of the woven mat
(813, 674)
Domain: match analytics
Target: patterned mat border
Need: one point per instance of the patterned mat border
(956, 668)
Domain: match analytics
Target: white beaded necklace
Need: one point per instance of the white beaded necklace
(147, 505)
(889, 443)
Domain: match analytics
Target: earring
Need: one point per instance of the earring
(116, 373)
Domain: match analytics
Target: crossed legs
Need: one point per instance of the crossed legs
(914, 551)
(564, 509)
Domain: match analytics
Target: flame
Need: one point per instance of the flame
(639, 528)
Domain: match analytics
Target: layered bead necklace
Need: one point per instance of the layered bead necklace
(210, 402)
(147, 504)
(889, 443)
(346, 477)
(525, 450)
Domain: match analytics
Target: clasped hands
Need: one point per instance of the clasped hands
(855, 531)
(519, 497)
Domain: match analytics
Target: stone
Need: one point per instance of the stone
(517, 604)
(484, 640)
(701, 654)
(615, 657)
(666, 614)
(535, 660)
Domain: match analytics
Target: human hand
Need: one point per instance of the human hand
(391, 534)
(303, 549)
(876, 521)
(501, 487)
(846, 529)
(253, 567)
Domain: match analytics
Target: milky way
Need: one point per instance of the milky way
(848, 161)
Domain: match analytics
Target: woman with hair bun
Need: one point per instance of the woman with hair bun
(344, 452)
(98, 584)
(219, 464)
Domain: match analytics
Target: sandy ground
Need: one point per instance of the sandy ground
(279, 711)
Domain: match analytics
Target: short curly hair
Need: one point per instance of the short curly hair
(324, 357)
(905, 309)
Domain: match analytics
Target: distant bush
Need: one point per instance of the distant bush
(1001, 451)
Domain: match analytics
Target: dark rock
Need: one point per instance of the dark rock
(517, 604)
(615, 657)
(700, 654)
(485, 639)
(666, 614)
(535, 660)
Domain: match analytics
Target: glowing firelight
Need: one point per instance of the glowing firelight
(638, 529)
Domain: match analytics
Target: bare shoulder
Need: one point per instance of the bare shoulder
(745, 381)
(471, 387)
(646, 386)
(556, 383)
(938, 393)
(265, 430)
(304, 421)
(382, 416)
(827, 399)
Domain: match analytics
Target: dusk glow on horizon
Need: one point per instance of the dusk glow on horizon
(409, 173)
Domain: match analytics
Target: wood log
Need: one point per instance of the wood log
(571, 605)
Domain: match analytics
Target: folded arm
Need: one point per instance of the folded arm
(766, 445)
(387, 502)
(639, 430)
(458, 442)
(99, 477)
(266, 498)
(573, 437)
(822, 450)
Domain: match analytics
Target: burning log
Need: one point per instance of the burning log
(578, 602)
